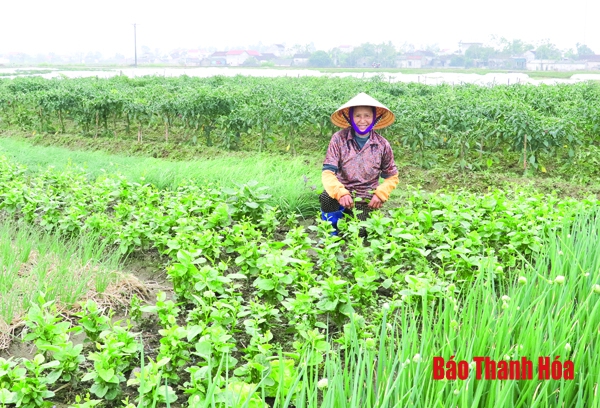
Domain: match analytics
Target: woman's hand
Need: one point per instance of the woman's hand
(375, 202)
(346, 201)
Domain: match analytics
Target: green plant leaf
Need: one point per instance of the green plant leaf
(264, 284)
(106, 374)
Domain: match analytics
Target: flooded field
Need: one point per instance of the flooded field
(433, 78)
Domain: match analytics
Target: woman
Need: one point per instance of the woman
(356, 158)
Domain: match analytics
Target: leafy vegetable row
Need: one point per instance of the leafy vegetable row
(256, 295)
(227, 229)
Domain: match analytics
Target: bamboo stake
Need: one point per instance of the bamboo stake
(97, 118)
(481, 148)
(462, 156)
(115, 124)
(525, 152)
(62, 124)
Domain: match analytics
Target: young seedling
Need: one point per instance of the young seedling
(45, 326)
(92, 320)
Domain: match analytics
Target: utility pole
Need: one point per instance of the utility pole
(585, 23)
(135, 44)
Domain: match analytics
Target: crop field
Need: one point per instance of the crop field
(131, 281)
(256, 113)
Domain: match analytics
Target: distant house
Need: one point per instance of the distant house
(528, 55)
(442, 61)
(218, 58)
(401, 61)
(424, 53)
(266, 56)
(237, 57)
(519, 62)
(592, 61)
(500, 63)
(410, 61)
(196, 55)
(522, 61)
(193, 57)
(538, 65)
(300, 59)
(276, 49)
(568, 65)
(177, 53)
(417, 59)
(166, 59)
(479, 63)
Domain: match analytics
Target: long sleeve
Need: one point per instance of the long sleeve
(332, 185)
(385, 188)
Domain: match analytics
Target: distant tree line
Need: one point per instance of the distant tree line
(385, 54)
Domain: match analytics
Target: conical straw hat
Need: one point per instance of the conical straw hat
(362, 99)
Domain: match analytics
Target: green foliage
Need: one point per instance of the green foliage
(10, 373)
(148, 381)
(515, 47)
(32, 387)
(366, 54)
(547, 51)
(85, 402)
(117, 349)
(46, 326)
(166, 310)
(175, 350)
(92, 321)
(320, 59)
(69, 358)
(263, 312)
(583, 49)
(247, 202)
(480, 52)
(270, 113)
(7, 397)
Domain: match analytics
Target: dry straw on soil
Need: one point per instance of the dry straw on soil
(117, 294)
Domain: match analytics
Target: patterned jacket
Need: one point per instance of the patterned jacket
(358, 169)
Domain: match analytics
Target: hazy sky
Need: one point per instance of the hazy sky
(61, 26)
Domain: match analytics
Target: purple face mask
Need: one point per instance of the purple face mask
(356, 129)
